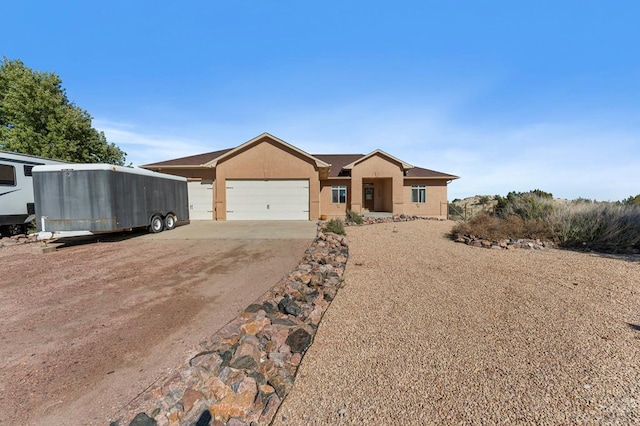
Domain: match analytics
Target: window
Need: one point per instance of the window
(418, 194)
(7, 175)
(339, 194)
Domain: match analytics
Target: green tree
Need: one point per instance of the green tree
(632, 200)
(36, 118)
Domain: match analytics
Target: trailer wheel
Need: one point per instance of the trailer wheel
(156, 225)
(169, 222)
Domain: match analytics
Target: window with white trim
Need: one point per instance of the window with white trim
(339, 194)
(418, 194)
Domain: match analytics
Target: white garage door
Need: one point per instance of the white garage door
(267, 199)
(200, 200)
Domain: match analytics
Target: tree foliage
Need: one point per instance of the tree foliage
(37, 118)
(632, 200)
(532, 205)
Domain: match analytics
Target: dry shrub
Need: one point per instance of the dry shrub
(496, 228)
(604, 227)
(600, 227)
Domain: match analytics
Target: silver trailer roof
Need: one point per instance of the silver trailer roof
(109, 167)
(22, 157)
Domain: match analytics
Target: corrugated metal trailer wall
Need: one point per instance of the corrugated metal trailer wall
(105, 199)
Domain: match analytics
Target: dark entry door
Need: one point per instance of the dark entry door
(368, 199)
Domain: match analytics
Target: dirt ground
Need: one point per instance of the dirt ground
(427, 331)
(87, 328)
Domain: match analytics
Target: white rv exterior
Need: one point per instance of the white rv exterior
(16, 190)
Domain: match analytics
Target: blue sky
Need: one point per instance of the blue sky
(509, 95)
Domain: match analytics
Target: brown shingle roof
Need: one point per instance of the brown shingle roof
(338, 161)
(192, 160)
(419, 172)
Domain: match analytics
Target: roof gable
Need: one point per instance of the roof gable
(381, 153)
(318, 162)
(338, 161)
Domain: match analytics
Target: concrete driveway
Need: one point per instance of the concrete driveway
(244, 230)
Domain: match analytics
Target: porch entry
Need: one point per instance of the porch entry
(377, 195)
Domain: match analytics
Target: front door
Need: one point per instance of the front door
(368, 198)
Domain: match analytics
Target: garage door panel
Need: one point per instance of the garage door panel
(200, 200)
(268, 200)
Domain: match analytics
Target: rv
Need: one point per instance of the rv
(16, 190)
(85, 199)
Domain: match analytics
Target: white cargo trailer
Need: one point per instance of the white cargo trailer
(16, 190)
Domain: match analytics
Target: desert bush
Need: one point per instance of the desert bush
(354, 217)
(499, 228)
(599, 226)
(335, 226)
(533, 205)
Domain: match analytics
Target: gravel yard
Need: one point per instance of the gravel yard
(429, 331)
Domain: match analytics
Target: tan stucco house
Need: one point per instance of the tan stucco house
(267, 178)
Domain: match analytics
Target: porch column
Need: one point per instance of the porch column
(398, 196)
(356, 194)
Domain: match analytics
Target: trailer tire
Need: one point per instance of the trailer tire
(170, 222)
(156, 225)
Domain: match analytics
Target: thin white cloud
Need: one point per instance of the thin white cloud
(143, 148)
(569, 159)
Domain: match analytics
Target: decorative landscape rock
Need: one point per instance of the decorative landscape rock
(19, 239)
(246, 369)
(506, 244)
(394, 218)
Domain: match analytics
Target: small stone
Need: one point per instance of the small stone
(141, 419)
(268, 307)
(288, 306)
(215, 388)
(190, 397)
(270, 408)
(253, 308)
(281, 384)
(299, 340)
(305, 278)
(266, 389)
(247, 355)
(245, 362)
(287, 322)
(284, 349)
(295, 359)
(254, 327)
(279, 358)
(233, 405)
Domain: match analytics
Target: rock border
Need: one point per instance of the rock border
(18, 239)
(246, 369)
(390, 219)
(505, 244)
